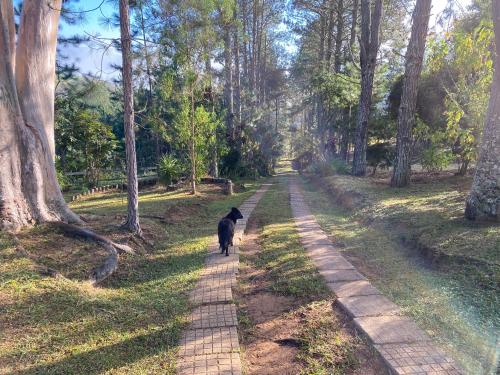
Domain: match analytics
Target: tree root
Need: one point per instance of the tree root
(110, 264)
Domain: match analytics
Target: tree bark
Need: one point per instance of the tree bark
(369, 45)
(29, 191)
(228, 81)
(483, 201)
(132, 222)
(237, 73)
(406, 118)
(192, 145)
(339, 36)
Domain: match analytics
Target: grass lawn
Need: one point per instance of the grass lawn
(326, 346)
(414, 244)
(132, 322)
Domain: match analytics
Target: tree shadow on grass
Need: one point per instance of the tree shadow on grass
(100, 360)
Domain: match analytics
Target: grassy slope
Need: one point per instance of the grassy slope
(457, 303)
(326, 348)
(129, 325)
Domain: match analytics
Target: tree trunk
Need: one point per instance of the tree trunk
(406, 119)
(369, 45)
(339, 35)
(29, 191)
(228, 82)
(483, 201)
(237, 74)
(132, 222)
(192, 145)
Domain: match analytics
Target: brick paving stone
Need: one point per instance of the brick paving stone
(213, 316)
(353, 288)
(332, 262)
(210, 364)
(417, 358)
(374, 305)
(213, 288)
(390, 329)
(209, 341)
(210, 345)
(321, 250)
(404, 347)
(227, 269)
(332, 276)
(219, 258)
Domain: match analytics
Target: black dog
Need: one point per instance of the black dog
(226, 229)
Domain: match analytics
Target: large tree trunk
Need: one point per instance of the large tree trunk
(29, 191)
(406, 118)
(132, 222)
(369, 45)
(484, 198)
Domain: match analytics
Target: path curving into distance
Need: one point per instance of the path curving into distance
(210, 343)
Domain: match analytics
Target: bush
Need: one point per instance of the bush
(169, 169)
(380, 155)
(435, 159)
(340, 166)
(328, 168)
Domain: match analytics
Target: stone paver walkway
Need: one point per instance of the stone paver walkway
(404, 347)
(210, 344)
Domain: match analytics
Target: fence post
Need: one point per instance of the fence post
(229, 187)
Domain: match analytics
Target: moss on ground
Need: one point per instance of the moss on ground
(384, 231)
(132, 323)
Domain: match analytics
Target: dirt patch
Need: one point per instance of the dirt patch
(268, 333)
(176, 214)
(276, 331)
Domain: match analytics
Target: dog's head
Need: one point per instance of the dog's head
(236, 214)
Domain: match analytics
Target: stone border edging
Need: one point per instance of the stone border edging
(210, 344)
(404, 347)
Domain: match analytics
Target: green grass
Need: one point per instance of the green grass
(132, 323)
(287, 266)
(325, 346)
(456, 306)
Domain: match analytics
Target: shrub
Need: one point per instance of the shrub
(169, 169)
(328, 168)
(435, 159)
(380, 155)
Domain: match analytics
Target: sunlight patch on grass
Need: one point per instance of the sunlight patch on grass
(460, 315)
(132, 323)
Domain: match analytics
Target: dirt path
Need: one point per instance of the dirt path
(268, 337)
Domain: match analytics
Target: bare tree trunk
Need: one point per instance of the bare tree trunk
(483, 201)
(29, 191)
(132, 222)
(237, 74)
(369, 45)
(329, 39)
(192, 146)
(354, 15)
(406, 119)
(339, 35)
(253, 75)
(228, 81)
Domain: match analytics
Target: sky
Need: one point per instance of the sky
(90, 59)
